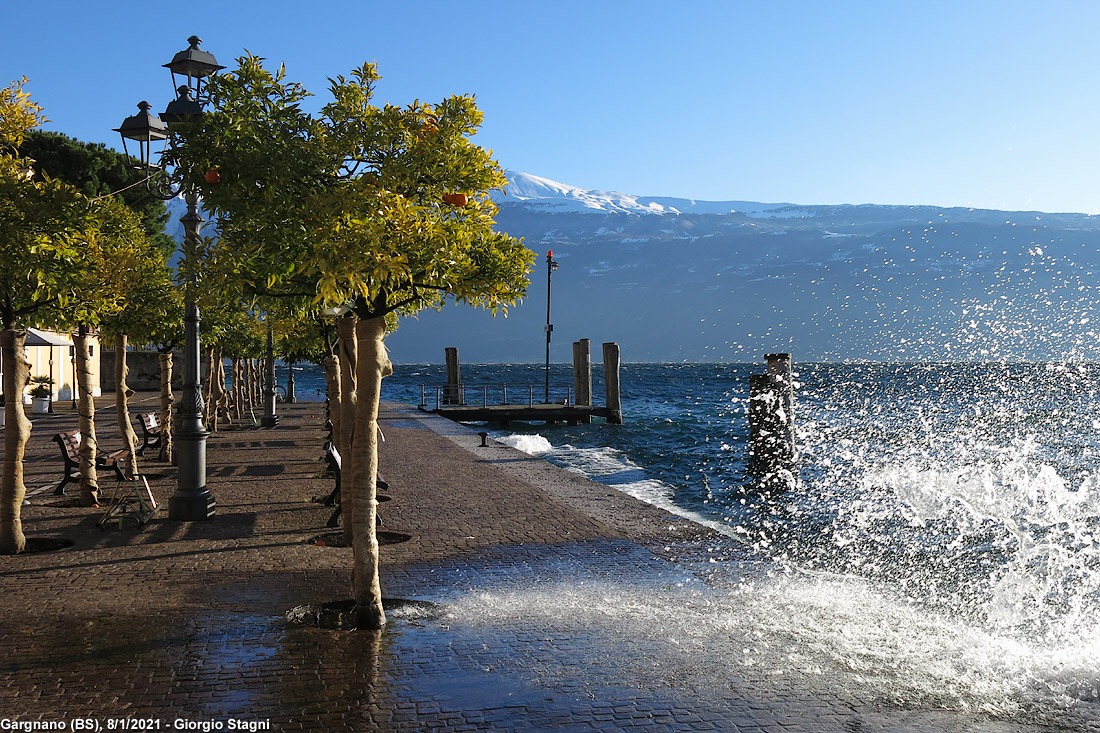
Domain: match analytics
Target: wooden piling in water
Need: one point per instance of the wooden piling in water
(582, 375)
(611, 382)
(452, 391)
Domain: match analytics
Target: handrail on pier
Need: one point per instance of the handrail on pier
(455, 394)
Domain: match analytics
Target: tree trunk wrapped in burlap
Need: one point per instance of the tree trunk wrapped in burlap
(122, 405)
(167, 409)
(372, 364)
(348, 397)
(17, 431)
(89, 446)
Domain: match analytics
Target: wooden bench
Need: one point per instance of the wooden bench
(150, 428)
(335, 464)
(70, 454)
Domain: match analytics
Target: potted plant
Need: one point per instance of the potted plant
(41, 394)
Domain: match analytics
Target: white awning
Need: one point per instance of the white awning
(35, 337)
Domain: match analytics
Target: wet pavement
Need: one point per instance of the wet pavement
(543, 602)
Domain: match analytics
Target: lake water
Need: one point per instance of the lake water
(943, 542)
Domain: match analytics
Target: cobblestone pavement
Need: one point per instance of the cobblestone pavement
(526, 598)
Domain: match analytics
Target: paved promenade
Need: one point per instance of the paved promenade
(524, 598)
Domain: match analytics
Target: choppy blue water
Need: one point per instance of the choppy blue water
(954, 509)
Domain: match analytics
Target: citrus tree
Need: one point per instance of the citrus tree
(41, 226)
(382, 211)
(115, 258)
(53, 243)
(153, 308)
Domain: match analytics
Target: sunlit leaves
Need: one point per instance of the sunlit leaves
(43, 228)
(65, 259)
(18, 115)
(113, 264)
(349, 205)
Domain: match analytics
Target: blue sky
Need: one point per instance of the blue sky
(984, 104)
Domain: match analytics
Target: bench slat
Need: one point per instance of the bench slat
(69, 443)
(151, 432)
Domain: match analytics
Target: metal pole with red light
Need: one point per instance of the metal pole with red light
(550, 267)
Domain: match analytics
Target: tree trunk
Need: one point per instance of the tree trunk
(17, 431)
(371, 366)
(122, 405)
(348, 350)
(246, 390)
(221, 394)
(167, 402)
(332, 391)
(211, 415)
(253, 383)
(257, 385)
(238, 392)
(89, 447)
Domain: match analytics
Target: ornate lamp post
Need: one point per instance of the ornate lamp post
(192, 499)
(551, 265)
(270, 419)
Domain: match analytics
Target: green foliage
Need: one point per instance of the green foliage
(241, 333)
(96, 170)
(152, 312)
(302, 335)
(349, 206)
(18, 114)
(43, 227)
(65, 259)
(114, 258)
(43, 386)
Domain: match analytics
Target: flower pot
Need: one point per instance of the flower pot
(40, 405)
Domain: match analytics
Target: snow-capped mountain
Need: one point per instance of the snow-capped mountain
(554, 197)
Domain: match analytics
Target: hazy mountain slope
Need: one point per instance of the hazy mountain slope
(670, 279)
(676, 279)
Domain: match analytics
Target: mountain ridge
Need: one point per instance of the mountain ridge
(531, 189)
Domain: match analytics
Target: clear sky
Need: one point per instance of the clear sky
(989, 104)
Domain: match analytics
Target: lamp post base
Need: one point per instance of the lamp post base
(191, 507)
(269, 421)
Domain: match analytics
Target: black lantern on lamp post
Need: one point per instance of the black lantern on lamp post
(192, 499)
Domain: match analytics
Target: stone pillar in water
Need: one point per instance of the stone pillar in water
(771, 425)
(781, 367)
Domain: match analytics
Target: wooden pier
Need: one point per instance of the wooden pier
(496, 403)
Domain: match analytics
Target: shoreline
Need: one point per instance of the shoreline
(669, 536)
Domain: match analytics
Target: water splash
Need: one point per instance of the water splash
(840, 632)
(532, 445)
(944, 542)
